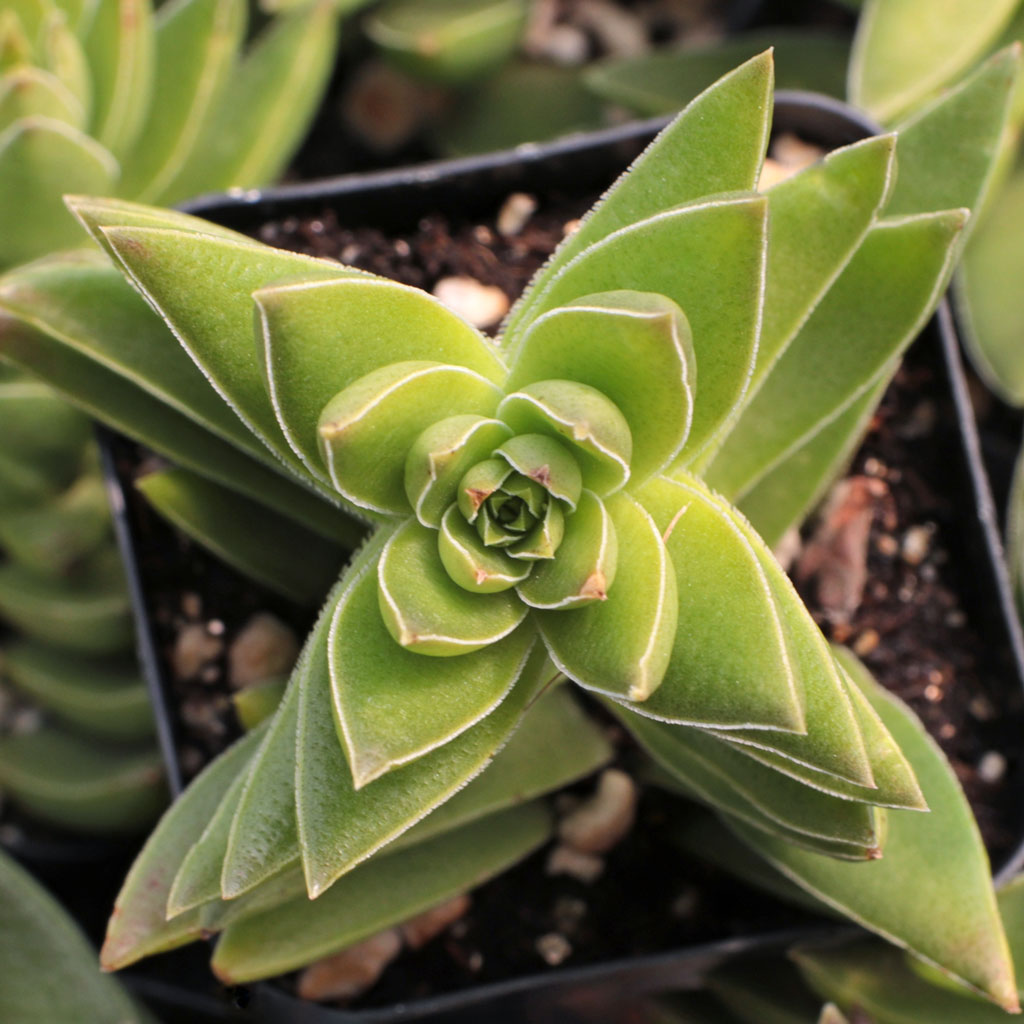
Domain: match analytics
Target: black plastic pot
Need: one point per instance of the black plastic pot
(398, 199)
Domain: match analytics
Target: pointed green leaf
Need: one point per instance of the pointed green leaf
(784, 497)
(621, 646)
(196, 45)
(139, 926)
(546, 461)
(764, 799)
(89, 612)
(202, 286)
(448, 41)
(582, 418)
(58, 345)
(49, 967)
(340, 826)
(584, 566)
(96, 213)
(426, 612)
(263, 545)
(472, 565)
(33, 92)
(120, 47)
(40, 160)
(382, 893)
(80, 785)
(817, 219)
(105, 698)
(661, 81)
(873, 311)
(907, 50)
(267, 105)
(930, 860)
(366, 431)
(947, 152)
(393, 706)
(319, 337)
(263, 837)
(63, 55)
(441, 456)
(542, 542)
(717, 144)
(721, 242)
(715, 676)
(989, 301)
(877, 979)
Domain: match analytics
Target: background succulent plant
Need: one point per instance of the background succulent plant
(66, 645)
(112, 98)
(383, 402)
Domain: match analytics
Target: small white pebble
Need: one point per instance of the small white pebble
(554, 948)
(481, 304)
(193, 648)
(600, 822)
(791, 150)
(265, 647)
(992, 767)
(515, 212)
(916, 542)
(866, 642)
(584, 867)
(25, 720)
(563, 44)
(419, 930)
(570, 227)
(351, 971)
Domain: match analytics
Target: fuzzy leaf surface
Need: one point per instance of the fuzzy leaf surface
(636, 349)
(929, 858)
(721, 242)
(394, 705)
(379, 894)
(872, 312)
(717, 144)
(139, 926)
(319, 337)
(31, 92)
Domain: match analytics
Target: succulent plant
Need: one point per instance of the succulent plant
(66, 643)
(543, 507)
(111, 98)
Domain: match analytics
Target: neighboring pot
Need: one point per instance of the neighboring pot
(476, 186)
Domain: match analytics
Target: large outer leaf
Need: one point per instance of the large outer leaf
(120, 44)
(716, 145)
(319, 337)
(930, 860)
(196, 45)
(40, 159)
(377, 895)
(872, 312)
(78, 784)
(720, 241)
(340, 826)
(260, 543)
(267, 105)
(905, 50)
(138, 926)
(49, 969)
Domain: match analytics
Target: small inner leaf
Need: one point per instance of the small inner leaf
(367, 430)
(547, 462)
(479, 483)
(426, 612)
(542, 542)
(439, 458)
(583, 569)
(582, 417)
(472, 564)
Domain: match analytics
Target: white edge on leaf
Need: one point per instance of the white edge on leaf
(468, 555)
(36, 122)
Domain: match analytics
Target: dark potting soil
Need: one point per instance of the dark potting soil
(914, 623)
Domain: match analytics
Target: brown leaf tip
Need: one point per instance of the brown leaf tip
(477, 497)
(596, 586)
(542, 475)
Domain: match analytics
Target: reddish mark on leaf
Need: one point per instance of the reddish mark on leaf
(481, 576)
(542, 475)
(596, 586)
(477, 497)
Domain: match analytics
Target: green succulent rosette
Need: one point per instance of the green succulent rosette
(591, 497)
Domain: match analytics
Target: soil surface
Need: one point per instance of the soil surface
(887, 567)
